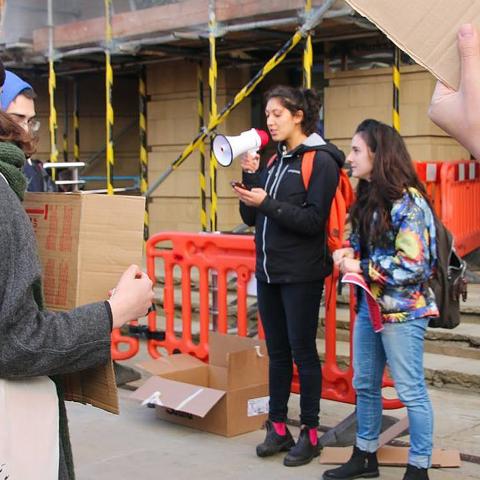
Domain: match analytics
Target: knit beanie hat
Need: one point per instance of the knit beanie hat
(12, 87)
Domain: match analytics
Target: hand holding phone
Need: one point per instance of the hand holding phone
(235, 183)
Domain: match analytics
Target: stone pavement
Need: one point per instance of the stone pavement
(138, 445)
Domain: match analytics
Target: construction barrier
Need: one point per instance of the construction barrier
(460, 185)
(196, 261)
(454, 189)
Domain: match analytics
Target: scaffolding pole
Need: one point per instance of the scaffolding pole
(308, 51)
(212, 86)
(110, 157)
(142, 97)
(76, 129)
(314, 19)
(65, 122)
(201, 149)
(396, 89)
(52, 84)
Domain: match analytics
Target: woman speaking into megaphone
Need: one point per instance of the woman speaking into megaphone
(292, 258)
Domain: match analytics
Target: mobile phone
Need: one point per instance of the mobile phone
(235, 183)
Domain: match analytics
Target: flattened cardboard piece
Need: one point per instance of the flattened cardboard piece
(85, 242)
(162, 365)
(391, 456)
(183, 397)
(95, 386)
(426, 30)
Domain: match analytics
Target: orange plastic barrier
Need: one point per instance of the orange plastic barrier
(460, 184)
(454, 188)
(187, 257)
(124, 347)
(429, 174)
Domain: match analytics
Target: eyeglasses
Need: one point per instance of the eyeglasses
(32, 123)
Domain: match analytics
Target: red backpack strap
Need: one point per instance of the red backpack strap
(307, 167)
(272, 160)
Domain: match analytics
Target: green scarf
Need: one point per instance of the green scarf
(12, 160)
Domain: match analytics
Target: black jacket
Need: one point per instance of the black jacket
(290, 223)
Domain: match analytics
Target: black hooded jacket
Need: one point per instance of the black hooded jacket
(290, 223)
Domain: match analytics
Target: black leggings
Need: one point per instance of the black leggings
(289, 315)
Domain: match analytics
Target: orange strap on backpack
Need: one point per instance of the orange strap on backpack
(343, 199)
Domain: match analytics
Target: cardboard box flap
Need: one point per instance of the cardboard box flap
(220, 345)
(247, 367)
(426, 30)
(170, 363)
(178, 396)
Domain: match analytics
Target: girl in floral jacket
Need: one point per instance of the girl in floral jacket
(393, 247)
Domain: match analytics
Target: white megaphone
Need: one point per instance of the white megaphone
(227, 148)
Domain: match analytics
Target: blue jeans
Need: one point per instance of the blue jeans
(400, 345)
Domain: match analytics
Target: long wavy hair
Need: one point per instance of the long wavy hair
(392, 174)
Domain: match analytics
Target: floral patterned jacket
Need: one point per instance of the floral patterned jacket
(398, 272)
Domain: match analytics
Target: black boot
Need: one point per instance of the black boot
(303, 452)
(361, 465)
(273, 442)
(415, 473)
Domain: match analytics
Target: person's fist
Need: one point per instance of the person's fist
(132, 296)
(250, 162)
(340, 254)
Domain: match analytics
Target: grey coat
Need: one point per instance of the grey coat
(37, 342)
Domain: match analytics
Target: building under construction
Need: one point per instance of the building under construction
(136, 88)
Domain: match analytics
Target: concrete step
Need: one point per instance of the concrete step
(440, 370)
(462, 341)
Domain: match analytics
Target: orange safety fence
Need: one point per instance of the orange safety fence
(454, 188)
(461, 203)
(198, 262)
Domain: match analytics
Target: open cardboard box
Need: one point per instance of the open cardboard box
(228, 396)
(85, 242)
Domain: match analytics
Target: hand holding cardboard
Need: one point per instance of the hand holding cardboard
(458, 112)
(427, 31)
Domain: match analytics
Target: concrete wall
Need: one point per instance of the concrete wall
(353, 96)
(172, 124)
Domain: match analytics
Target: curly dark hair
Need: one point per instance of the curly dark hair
(393, 173)
(295, 99)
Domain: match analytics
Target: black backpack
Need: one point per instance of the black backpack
(448, 281)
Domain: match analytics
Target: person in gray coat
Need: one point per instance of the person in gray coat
(36, 342)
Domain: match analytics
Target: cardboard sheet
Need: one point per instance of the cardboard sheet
(392, 456)
(426, 30)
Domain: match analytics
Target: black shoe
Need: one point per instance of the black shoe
(273, 442)
(303, 452)
(361, 465)
(415, 473)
